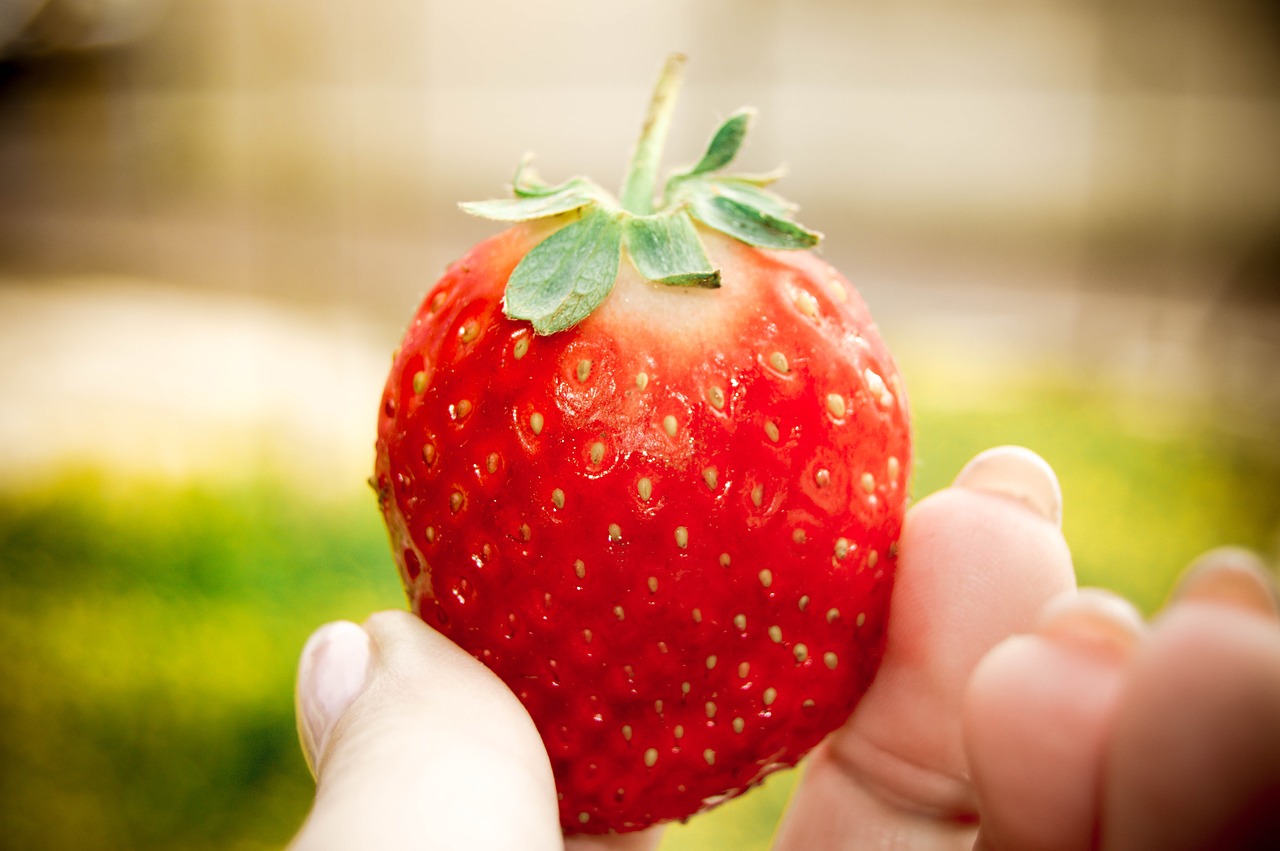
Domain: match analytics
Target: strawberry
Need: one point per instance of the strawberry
(650, 466)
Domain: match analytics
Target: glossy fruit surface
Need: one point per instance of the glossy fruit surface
(670, 528)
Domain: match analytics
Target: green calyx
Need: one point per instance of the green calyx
(564, 278)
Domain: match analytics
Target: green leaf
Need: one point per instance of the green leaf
(566, 276)
(753, 195)
(750, 224)
(761, 179)
(569, 196)
(527, 184)
(665, 248)
(724, 143)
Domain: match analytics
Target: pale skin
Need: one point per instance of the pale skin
(1013, 710)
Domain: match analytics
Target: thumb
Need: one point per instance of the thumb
(415, 744)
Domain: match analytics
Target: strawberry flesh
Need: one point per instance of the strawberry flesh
(671, 531)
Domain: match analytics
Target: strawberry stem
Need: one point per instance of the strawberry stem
(642, 175)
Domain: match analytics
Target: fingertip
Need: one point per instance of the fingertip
(1092, 620)
(420, 753)
(1194, 754)
(332, 671)
(641, 840)
(392, 629)
(1232, 577)
(973, 569)
(1036, 715)
(1016, 473)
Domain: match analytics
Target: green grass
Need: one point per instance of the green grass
(150, 634)
(149, 631)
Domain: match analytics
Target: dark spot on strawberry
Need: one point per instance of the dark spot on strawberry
(382, 488)
(412, 566)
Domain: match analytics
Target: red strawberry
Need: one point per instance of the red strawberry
(654, 477)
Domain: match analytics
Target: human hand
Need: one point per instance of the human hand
(1011, 711)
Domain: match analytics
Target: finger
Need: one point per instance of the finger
(643, 840)
(1194, 760)
(1230, 577)
(1037, 714)
(415, 744)
(976, 564)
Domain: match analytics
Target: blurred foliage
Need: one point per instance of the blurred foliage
(150, 633)
(149, 630)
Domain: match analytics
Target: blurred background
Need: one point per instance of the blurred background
(217, 215)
